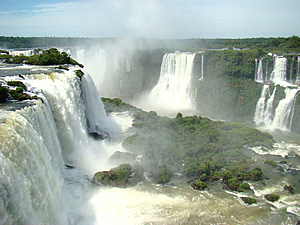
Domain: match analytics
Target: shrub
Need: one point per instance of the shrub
(245, 186)
(199, 185)
(272, 197)
(270, 162)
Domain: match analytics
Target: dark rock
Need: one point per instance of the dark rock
(98, 136)
(69, 167)
(272, 197)
(248, 200)
(290, 189)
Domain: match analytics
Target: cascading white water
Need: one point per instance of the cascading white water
(279, 73)
(21, 52)
(259, 116)
(291, 70)
(202, 68)
(298, 72)
(173, 91)
(259, 75)
(282, 116)
(80, 55)
(269, 114)
(284, 112)
(31, 164)
(264, 107)
(38, 139)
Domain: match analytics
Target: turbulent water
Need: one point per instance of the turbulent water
(40, 137)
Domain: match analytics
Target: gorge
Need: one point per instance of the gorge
(48, 155)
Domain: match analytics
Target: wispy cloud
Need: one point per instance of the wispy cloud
(157, 18)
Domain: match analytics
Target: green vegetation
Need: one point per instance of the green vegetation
(280, 44)
(199, 185)
(118, 176)
(18, 92)
(270, 162)
(193, 145)
(272, 197)
(79, 73)
(47, 57)
(249, 200)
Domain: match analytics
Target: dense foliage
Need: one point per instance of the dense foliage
(193, 145)
(47, 57)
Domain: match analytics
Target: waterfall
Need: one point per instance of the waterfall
(298, 72)
(259, 75)
(291, 70)
(266, 115)
(21, 52)
(269, 112)
(38, 139)
(202, 68)
(129, 61)
(259, 116)
(173, 90)
(279, 73)
(80, 55)
(31, 164)
(285, 110)
(283, 117)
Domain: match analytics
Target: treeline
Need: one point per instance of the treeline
(41, 57)
(280, 44)
(47, 42)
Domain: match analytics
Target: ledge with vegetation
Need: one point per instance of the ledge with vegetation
(42, 57)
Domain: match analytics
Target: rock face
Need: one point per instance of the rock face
(121, 176)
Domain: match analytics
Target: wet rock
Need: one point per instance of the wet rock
(121, 176)
(249, 200)
(272, 197)
(290, 189)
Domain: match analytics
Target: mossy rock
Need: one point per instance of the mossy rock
(121, 176)
(272, 197)
(17, 84)
(116, 177)
(248, 200)
(79, 73)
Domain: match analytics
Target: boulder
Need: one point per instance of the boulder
(272, 197)
(122, 176)
(290, 189)
(122, 157)
(248, 200)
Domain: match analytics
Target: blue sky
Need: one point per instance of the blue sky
(150, 18)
